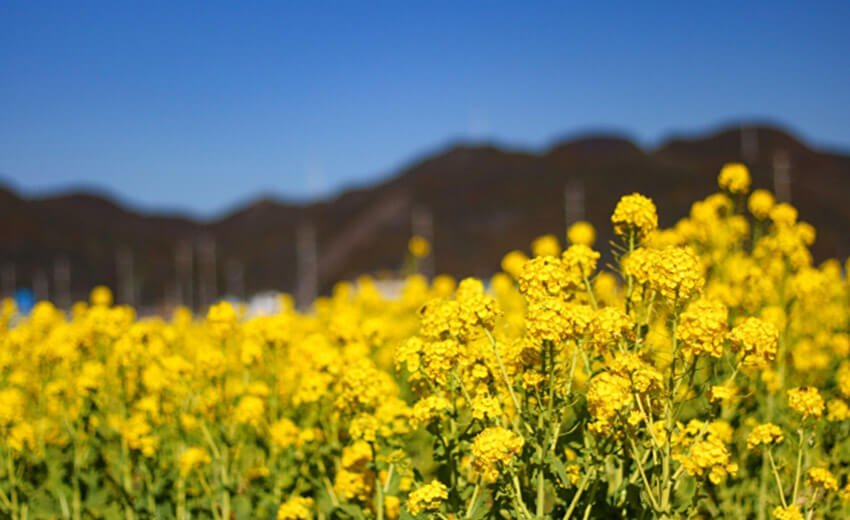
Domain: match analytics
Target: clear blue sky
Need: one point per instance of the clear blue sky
(200, 106)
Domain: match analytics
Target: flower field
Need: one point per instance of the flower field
(703, 373)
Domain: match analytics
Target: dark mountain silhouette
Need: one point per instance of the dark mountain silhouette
(484, 201)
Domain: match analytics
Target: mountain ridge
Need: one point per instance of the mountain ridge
(483, 200)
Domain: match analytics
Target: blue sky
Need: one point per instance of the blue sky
(200, 106)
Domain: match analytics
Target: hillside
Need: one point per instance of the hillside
(484, 202)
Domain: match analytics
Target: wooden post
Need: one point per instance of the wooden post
(126, 279)
(307, 265)
(749, 145)
(574, 201)
(9, 280)
(782, 176)
(39, 285)
(236, 279)
(208, 274)
(62, 282)
(422, 224)
(183, 266)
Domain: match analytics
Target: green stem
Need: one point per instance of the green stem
(181, 498)
(644, 477)
(778, 479)
(799, 468)
(517, 406)
(577, 496)
(472, 500)
(590, 292)
(13, 482)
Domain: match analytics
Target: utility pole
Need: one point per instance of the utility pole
(62, 282)
(307, 265)
(39, 285)
(236, 279)
(208, 282)
(782, 176)
(8, 280)
(422, 224)
(183, 264)
(126, 279)
(749, 145)
(574, 201)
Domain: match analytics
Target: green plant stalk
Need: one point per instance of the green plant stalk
(646, 484)
(379, 497)
(589, 505)
(517, 418)
(799, 468)
(666, 483)
(629, 277)
(577, 496)
(779, 487)
(590, 292)
(472, 500)
(127, 480)
(210, 495)
(76, 500)
(181, 498)
(519, 506)
(13, 482)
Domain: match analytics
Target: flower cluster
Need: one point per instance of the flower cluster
(696, 371)
(635, 214)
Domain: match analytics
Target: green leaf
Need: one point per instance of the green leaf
(558, 467)
(353, 511)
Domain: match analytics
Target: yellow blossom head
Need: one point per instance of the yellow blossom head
(735, 178)
(635, 214)
(582, 233)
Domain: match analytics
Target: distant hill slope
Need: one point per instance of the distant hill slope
(484, 201)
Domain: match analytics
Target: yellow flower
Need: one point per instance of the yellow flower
(430, 409)
(250, 410)
(791, 512)
(837, 410)
(607, 395)
(418, 246)
(392, 507)
(486, 407)
(543, 277)
(581, 233)
(547, 245)
(710, 456)
(191, 459)
(735, 178)
(806, 401)
(493, 449)
(579, 261)
(222, 319)
(427, 498)
(356, 456)
(764, 435)
(635, 214)
(702, 328)
(822, 478)
(512, 263)
(783, 215)
(760, 203)
(296, 508)
(101, 296)
(721, 393)
(676, 274)
(608, 328)
(757, 340)
(354, 485)
(284, 433)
